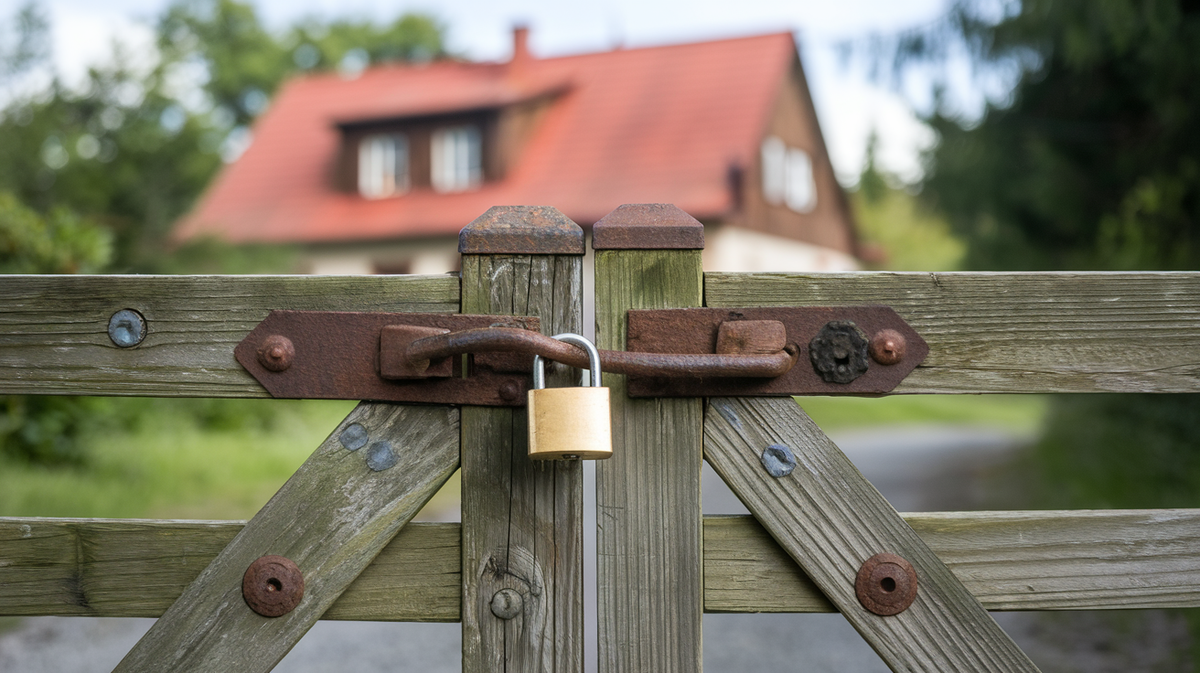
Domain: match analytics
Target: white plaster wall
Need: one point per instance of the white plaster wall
(729, 248)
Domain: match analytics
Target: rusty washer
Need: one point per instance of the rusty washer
(276, 353)
(886, 584)
(839, 352)
(887, 347)
(273, 586)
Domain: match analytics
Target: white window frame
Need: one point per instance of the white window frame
(383, 165)
(456, 158)
(787, 176)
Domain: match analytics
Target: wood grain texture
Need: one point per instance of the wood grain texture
(522, 519)
(331, 518)
(648, 494)
(138, 568)
(54, 329)
(830, 520)
(1033, 560)
(1015, 332)
(1014, 560)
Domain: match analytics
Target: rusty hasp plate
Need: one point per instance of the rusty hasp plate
(842, 350)
(337, 356)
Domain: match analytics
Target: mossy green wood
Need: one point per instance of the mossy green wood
(650, 573)
(830, 520)
(522, 519)
(331, 518)
(54, 329)
(1015, 332)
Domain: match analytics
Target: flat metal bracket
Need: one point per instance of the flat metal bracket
(696, 330)
(336, 356)
(702, 352)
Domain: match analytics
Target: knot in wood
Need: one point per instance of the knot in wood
(886, 584)
(273, 586)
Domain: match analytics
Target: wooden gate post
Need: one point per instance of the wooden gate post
(522, 521)
(648, 493)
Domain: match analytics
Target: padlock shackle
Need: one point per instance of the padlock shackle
(539, 369)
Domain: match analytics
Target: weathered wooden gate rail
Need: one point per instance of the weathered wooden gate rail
(1036, 560)
(988, 332)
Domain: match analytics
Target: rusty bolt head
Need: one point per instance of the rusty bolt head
(887, 347)
(273, 586)
(886, 584)
(276, 353)
(510, 391)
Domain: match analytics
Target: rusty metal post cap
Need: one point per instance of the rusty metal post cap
(273, 586)
(522, 230)
(648, 226)
(886, 584)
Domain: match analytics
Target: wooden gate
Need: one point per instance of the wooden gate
(511, 572)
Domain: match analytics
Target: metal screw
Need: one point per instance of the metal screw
(888, 346)
(779, 460)
(886, 584)
(381, 456)
(354, 437)
(273, 586)
(507, 603)
(127, 328)
(276, 353)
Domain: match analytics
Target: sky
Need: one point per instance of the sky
(848, 104)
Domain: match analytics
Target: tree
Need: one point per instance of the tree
(1089, 158)
(135, 145)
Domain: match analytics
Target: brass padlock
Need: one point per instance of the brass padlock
(569, 423)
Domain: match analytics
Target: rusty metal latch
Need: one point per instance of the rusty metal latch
(414, 357)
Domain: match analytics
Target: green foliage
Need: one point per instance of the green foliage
(1122, 451)
(1091, 160)
(898, 231)
(134, 146)
(57, 242)
(245, 64)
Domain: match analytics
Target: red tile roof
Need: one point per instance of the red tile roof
(652, 125)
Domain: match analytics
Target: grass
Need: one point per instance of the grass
(223, 459)
(172, 464)
(1019, 413)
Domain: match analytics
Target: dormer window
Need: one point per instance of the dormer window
(383, 165)
(456, 159)
(787, 176)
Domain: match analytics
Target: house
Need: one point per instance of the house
(377, 173)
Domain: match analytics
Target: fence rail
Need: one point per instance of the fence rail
(1014, 560)
(54, 329)
(1015, 332)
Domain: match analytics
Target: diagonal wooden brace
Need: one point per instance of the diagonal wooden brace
(830, 520)
(344, 504)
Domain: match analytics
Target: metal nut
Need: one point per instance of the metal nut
(888, 346)
(886, 584)
(507, 603)
(778, 460)
(273, 586)
(126, 328)
(276, 353)
(839, 352)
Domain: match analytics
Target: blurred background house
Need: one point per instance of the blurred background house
(377, 172)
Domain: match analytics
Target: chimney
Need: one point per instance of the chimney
(520, 44)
